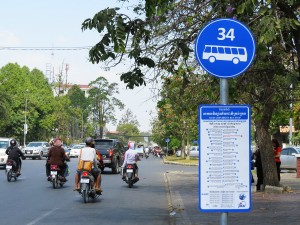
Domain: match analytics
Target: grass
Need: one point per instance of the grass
(173, 158)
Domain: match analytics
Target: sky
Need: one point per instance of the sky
(55, 23)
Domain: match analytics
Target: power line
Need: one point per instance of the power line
(45, 48)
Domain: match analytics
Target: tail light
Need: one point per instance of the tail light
(110, 153)
(129, 166)
(54, 167)
(85, 174)
(9, 162)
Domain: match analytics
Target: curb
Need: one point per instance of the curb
(178, 163)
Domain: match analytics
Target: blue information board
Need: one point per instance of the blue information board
(225, 48)
(224, 158)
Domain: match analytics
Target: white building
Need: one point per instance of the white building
(63, 89)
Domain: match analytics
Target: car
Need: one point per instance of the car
(4, 144)
(36, 149)
(194, 152)
(112, 151)
(288, 158)
(178, 153)
(67, 150)
(75, 151)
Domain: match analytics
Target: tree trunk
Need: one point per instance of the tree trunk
(182, 147)
(267, 154)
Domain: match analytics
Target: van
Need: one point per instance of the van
(4, 144)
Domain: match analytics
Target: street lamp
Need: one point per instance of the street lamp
(25, 124)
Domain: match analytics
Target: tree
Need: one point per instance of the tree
(129, 118)
(77, 98)
(16, 80)
(80, 105)
(103, 103)
(164, 35)
(128, 126)
(4, 103)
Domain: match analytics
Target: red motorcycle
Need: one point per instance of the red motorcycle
(56, 178)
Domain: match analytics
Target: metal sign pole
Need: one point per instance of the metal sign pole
(215, 48)
(224, 100)
(224, 91)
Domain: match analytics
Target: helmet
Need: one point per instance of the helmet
(130, 145)
(13, 142)
(89, 141)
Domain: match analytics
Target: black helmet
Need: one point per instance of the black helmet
(89, 141)
(13, 142)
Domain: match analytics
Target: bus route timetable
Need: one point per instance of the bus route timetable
(224, 158)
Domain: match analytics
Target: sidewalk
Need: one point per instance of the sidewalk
(267, 208)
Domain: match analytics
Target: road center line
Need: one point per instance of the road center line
(42, 217)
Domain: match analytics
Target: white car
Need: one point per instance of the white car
(288, 158)
(36, 149)
(75, 151)
(4, 144)
(194, 151)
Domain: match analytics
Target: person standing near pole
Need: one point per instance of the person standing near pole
(259, 169)
(277, 152)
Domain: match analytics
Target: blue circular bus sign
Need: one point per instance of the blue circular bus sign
(225, 48)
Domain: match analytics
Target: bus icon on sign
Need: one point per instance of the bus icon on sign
(224, 53)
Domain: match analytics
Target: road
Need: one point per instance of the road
(31, 200)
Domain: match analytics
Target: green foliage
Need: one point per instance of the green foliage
(21, 84)
(77, 97)
(103, 103)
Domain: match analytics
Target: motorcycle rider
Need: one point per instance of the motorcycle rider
(88, 153)
(14, 153)
(57, 156)
(131, 157)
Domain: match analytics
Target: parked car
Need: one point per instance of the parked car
(36, 149)
(4, 144)
(112, 151)
(75, 151)
(194, 151)
(288, 158)
(178, 153)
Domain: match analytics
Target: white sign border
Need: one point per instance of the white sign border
(249, 207)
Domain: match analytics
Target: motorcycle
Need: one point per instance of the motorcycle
(130, 177)
(56, 178)
(86, 190)
(147, 155)
(11, 170)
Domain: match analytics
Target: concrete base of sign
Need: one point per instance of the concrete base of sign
(274, 189)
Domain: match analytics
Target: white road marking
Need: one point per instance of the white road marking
(42, 217)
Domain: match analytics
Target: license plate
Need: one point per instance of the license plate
(84, 180)
(8, 167)
(129, 171)
(107, 161)
(53, 172)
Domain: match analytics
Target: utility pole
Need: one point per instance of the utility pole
(25, 119)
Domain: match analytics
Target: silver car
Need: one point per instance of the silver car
(288, 158)
(36, 149)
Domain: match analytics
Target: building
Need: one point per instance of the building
(63, 89)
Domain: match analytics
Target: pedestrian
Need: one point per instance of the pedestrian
(277, 152)
(259, 169)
